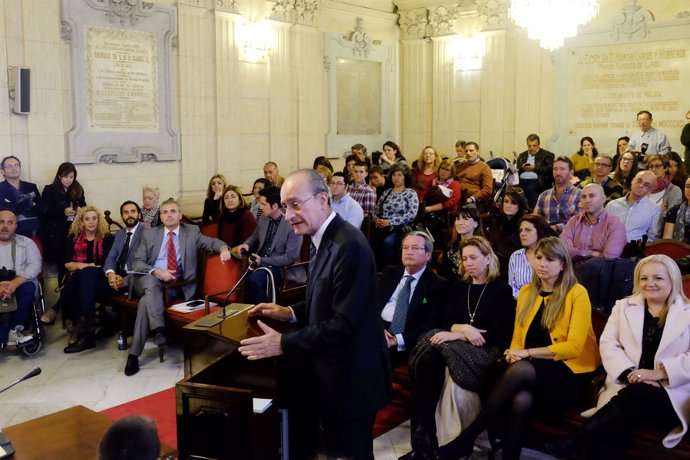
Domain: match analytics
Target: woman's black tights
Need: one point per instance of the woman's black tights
(513, 396)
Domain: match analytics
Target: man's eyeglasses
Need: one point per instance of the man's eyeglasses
(603, 165)
(11, 166)
(412, 248)
(295, 205)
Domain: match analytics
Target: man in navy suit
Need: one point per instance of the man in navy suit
(273, 244)
(405, 319)
(167, 253)
(340, 346)
(127, 240)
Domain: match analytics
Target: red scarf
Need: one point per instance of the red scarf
(660, 185)
(80, 249)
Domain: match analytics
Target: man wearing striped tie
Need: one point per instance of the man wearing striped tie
(166, 253)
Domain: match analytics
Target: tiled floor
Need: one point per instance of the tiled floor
(95, 379)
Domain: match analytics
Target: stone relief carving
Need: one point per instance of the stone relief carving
(362, 43)
(413, 23)
(442, 19)
(125, 10)
(683, 15)
(280, 9)
(306, 10)
(631, 22)
(327, 63)
(494, 13)
(65, 31)
(229, 6)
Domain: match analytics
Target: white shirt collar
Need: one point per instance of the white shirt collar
(316, 237)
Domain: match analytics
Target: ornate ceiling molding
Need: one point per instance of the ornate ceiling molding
(229, 6)
(442, 19)
(292, 11)
(632, 22)
(413, 23)
(125, 10)
(360, 40)
(494, 13)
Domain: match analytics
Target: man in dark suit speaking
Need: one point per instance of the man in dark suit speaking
(341, 342)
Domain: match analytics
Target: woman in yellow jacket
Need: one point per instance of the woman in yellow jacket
(551, 358)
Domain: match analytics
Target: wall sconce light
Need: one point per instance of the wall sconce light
(255, 41)
(468, 53)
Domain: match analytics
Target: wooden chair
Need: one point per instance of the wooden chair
(113, 225)
(673, 248)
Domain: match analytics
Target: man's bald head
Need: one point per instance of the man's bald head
(593, 199)
(643, 183)
(8, 225)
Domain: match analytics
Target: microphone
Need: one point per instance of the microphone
(253, 265)
(31, 374)
(643, 148)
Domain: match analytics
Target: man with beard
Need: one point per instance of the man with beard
(119, 258)
(560, 203)
(21, 264)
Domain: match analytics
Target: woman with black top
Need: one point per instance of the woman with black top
(626, 170)
(677, 219)
(61, 200)
(551, 358)
(214, 195)
(468, 222)
(235, 222)
(478, 324)
(88, 246)
(505, 233)
(644, 349)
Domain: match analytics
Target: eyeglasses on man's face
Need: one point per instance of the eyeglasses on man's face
(295, 206)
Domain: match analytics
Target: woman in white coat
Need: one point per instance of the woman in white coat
(645, 349)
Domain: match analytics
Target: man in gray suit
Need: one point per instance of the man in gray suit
(167, 254)
(273, 245)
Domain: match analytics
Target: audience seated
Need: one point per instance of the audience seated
(350, 161)
(424, 171)
(377, 180)
(560, 203)
(168, 253)
(235, 222)
(20, 197)
(677, 219)
(583, 159)
(61, 200)
(665, 195)
(676, 170)
(359, 190)
(395, 210)
(621, 148)
(214, 198)
(412, 297)
(20, 260)
(533, 228)
(536, 169)
(325, 173)
(504, 233)
(86, 251)
(440, 200)
(273, 245)
(636, 210)
(648, 140)
(342, 203)
(323, 161)
(255, 208)
(272, 174)
(475, 178)
(459, 152)
(468, 223)
(476, 328)
(360, 153)
(150, 209)
(125, 244)
(552, 356)
(391, 156)
(644, 349)
(685, 140)
(133, 437)
(593, 232)
(602, 169)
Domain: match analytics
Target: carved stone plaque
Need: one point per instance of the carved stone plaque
(120, 63)
(359, 97)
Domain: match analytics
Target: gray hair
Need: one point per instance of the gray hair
(153, 189)
(428, 244)
(316, 181)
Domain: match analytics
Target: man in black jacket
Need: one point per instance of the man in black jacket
(536, 169)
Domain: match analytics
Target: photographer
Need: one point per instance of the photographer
(20, 265)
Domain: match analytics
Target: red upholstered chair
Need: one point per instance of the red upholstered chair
(672, 248)
(686, 285)
(210, 230)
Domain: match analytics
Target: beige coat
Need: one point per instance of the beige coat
(621, 349)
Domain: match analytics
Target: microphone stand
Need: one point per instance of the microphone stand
(251, 268)
(31, 374)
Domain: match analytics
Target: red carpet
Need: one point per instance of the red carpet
(161, 407)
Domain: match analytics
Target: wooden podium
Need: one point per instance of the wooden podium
(215, 401)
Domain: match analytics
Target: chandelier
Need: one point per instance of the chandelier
(552, 21)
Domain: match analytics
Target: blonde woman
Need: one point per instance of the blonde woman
(644, 349)
(87, 248)
(551, 358)
(150, 208)
(424, 171)
(214, 196)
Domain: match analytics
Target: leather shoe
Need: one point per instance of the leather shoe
(72, 339)
(132, 366)
(82, 344)
(49, 316)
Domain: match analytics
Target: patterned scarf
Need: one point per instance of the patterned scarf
(80, 249)
(660, 185)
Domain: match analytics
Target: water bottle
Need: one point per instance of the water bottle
(120, 341)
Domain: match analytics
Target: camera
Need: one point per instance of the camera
(7, 275)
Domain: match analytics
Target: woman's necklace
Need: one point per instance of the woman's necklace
(469, 310)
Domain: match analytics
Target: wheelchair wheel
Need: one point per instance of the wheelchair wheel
(32, 348)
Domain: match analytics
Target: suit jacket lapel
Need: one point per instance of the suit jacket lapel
(323, 255)
(157, 244)
(419, 291)
(183, 246)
